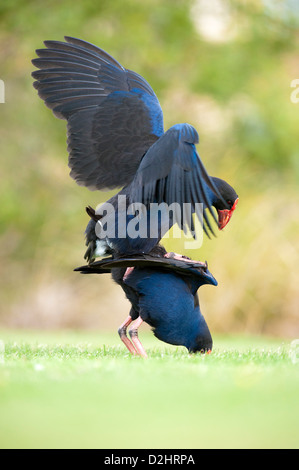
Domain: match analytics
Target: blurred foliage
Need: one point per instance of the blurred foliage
(225, 67)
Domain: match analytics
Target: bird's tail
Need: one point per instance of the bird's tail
(92, 214)
(90, 235)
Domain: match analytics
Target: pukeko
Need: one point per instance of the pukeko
(116, 139)
(162, 288)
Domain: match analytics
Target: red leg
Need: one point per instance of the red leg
(177, 256)
(173, 255)
(127, 273)
(122, 331)
(133, 332)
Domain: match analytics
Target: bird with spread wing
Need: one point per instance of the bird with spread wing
(116, 139)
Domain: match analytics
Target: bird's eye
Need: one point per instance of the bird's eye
(229, 202)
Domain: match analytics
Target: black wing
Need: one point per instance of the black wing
(172, 172)
(113, 114)
(183, 267)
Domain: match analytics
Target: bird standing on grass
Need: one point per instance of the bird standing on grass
(116, 138)
(163, 293)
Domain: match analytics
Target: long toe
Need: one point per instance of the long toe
(133, 332)
(122, 331)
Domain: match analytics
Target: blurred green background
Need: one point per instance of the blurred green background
(225, 67)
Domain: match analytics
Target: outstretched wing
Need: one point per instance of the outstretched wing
(113, 115)
(172, 172)
(180, 266)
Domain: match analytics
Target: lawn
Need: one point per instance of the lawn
(83, 390)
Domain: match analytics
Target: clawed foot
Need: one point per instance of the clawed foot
(134, 346)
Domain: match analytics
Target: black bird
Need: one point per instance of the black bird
(116, 139)
(162, 289)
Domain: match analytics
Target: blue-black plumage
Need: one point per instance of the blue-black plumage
(116, 139)
(162, 290)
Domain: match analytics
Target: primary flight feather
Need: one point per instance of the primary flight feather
(116, 139)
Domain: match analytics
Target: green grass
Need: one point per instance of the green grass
(83, 390)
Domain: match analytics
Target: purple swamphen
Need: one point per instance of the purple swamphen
(162, 288)
(116, 139)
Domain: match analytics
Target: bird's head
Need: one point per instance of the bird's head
(231, 199)
(202, 342)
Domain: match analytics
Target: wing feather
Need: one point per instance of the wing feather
(178, 174)
(180, 266)
(113, 115)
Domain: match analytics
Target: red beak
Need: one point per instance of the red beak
(224, 216)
